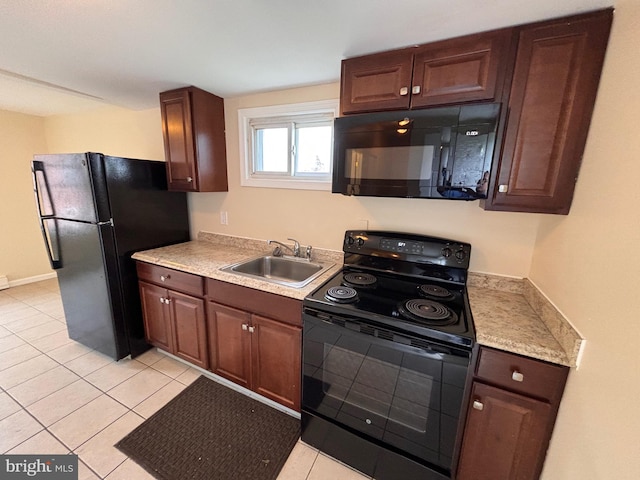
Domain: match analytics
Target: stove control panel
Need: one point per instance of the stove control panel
(409, 247)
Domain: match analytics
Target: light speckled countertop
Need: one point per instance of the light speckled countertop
(509, 314)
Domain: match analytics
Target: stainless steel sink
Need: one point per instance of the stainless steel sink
(288, 271)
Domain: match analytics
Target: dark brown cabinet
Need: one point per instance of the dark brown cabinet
(464, 69)
(512, 410)
(194, 140)
(255, 340)
(553, 91)
(174, 321)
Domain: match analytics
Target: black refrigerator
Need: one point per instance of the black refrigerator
(95, 212)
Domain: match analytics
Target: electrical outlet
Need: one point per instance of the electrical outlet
(224, 218)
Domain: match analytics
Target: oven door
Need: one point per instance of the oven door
(399, 392)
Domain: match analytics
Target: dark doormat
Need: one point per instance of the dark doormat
(211, 432)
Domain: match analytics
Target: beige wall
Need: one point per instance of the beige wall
(110, 130)
(588, 264)
(22, 253)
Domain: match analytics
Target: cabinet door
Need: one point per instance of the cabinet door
(275, 349)
(505, 436)
(376, 82)
(229, 343)
(189, 329)
(464, 69)
(553, 91)
(157, 321)
(177, 130)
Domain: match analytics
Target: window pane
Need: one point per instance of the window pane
(314, 149)
(272, 152)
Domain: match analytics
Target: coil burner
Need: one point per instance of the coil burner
(358, 279)
(341, 294)
(435, 292)
(427, 312)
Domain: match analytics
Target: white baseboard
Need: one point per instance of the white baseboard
(4, 282)
(36, 278)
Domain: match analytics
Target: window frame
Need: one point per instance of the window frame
(279, 115)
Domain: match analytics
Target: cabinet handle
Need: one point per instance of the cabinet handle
(416, 89)
(161, 299)
(167, 301)
(245, 326)
(189, 179)
(503, 188)
(164, 278)
(478, 405)
(252, 329)
(517, 376)
(404, 91)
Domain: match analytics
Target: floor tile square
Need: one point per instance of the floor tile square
(16, 429)
(42, 330)
(299, 463)
(63, 402)
(150, 357)
(82, 424)
(170, 367)
(325, 467)
(114, 373)
(17, 326)
(88, 363)
(51, 342)
(8, 406)
(43, 385)
(139, 387)
(10, 342)
(68, 351)
(130, 470)
(17, 355)
(40, 443)
(99, 452)
(26, 370)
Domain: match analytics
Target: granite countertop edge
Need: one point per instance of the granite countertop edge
(510, 314)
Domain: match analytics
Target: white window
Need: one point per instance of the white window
(287, 146)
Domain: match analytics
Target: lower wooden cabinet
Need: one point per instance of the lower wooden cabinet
(256, 352)
(174, 321)
(512, 410)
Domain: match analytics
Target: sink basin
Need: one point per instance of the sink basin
(288, 271)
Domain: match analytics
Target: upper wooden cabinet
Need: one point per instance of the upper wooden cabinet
(464, 69)
(194, 140)
(553, 91)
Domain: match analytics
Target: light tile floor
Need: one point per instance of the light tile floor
(58, 396)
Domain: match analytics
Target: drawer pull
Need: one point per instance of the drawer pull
(517, 376)
(161, 299)
(245, 326)
(404, 91)
(416, 89)
(164, 278)
(252, 329)
(478, 405)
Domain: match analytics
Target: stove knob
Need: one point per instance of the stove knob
(350, 240)
(461, 255)
(446, 252)
(360, 241)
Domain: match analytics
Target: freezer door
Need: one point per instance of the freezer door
(67, 186)
(89, 286)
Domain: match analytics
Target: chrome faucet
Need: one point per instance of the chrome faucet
(295, 250)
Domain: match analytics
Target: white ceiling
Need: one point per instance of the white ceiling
(62, 56)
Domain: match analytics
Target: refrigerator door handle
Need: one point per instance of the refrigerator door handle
(50, 239)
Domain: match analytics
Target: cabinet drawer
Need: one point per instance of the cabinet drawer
(171, 279)
(521, 374)
(284, 309)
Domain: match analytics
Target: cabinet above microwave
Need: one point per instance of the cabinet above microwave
(443, 153)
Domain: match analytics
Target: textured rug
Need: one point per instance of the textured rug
(211, 432)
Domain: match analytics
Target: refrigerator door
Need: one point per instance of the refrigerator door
(71, 186)
(89, 285)
(145, 215)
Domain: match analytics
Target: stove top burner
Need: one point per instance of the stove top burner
(427, 312)
(357, 279)
(341, 294)
(435, 291)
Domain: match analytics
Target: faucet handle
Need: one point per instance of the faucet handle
(296, 247)
(307, 254)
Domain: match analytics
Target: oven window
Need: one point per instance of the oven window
(404, 396)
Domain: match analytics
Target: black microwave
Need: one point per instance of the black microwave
(433, 153)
